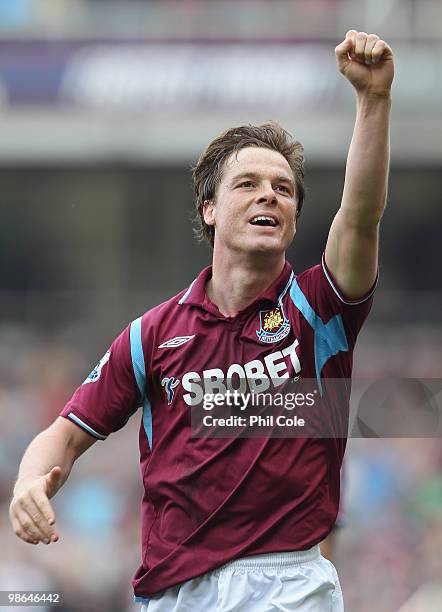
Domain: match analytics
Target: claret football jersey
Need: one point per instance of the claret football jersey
(209, 500)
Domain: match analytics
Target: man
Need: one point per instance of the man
(234, 524)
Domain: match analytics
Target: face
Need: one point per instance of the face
(254, 209)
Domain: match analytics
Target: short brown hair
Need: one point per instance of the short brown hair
(207, 173)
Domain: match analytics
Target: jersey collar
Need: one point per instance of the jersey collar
(196, 293)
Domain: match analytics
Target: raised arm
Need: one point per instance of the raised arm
(44, 468)
(351, 253)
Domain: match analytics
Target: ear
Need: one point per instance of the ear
(209, 212)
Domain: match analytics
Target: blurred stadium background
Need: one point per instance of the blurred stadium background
(103, 107)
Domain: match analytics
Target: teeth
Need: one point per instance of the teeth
(264, 218)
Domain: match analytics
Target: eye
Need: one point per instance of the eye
(283, 188)
(246, 184)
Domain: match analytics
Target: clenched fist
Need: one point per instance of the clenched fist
(367, 62)
(31, 514)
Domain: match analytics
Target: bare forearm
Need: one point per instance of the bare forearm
(351, 252)
(366, 177)
(44, 468)
(47, 450)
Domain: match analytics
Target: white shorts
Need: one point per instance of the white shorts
(304, 581)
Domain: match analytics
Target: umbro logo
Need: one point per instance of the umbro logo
(177, 341)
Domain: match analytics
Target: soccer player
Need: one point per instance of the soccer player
(235, 523)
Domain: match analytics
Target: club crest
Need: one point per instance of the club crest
(273, 325)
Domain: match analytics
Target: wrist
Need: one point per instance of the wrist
(373, 97)
(369, 104)
(23, 482)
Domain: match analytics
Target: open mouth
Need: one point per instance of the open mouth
(264, 221)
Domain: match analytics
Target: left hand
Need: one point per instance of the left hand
(367, 62)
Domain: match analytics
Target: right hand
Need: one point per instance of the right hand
(30, 512)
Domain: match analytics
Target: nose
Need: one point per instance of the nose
(267, 194)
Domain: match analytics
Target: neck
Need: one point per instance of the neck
(236, 281)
